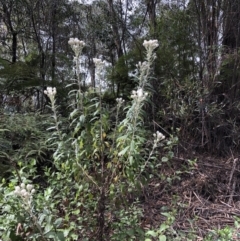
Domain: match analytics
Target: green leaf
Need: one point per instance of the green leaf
(60, 236)
(41, 218)
(131, 160)
(151, 233)
(163, 227)
(51, 128)
(162, 238)
(66, 232)
(132, 145)
(48, 228)
(73, 113)
(164, 159)
(4, 130)
(148, 239)
(58, 222)
(122, 152)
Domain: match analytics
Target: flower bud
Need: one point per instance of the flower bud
(17, 189)
(23, 192)
(29, 187)
(140, 92)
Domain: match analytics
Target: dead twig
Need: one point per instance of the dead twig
(230, 180)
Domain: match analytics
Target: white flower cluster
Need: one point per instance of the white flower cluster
(151, 44)
(24, 191)
(139, 95)
(76, 45)
(142, 65)
(51, 92)
(120, 101)
(99, 63)
(100, 71)
(158, 137)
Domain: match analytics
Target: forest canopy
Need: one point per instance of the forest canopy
(196, 78)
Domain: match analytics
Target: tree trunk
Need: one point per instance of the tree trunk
(231, 42)
(54, 12)
(151, 9)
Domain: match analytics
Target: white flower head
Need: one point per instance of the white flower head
(76, 45)
(99, 63)
(100, 71)
(158, 136)
(150, 44)
(139, 95)
(25, 192)
(120, 101)
(51, 92)
(142, 65)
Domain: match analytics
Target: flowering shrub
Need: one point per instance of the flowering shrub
(98, 166)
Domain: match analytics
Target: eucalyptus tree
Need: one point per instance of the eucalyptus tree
(44, 20)
(209, 92)
(231, 44)
(36, 40)
(12, 15)
(151, 10)
(206, 32)
(229, 78)
(103, 25)
(14, 72)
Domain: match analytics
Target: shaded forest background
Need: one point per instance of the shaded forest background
(196, 75)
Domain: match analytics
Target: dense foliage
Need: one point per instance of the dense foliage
(77, 116)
